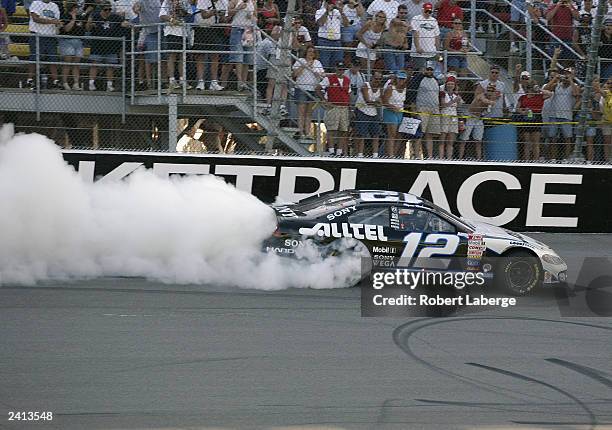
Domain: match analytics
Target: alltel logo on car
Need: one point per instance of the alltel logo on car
(356, 231)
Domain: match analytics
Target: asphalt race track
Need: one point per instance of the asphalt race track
(131, 354)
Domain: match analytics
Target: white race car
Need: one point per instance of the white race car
(401, 230)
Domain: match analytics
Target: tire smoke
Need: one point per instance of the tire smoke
(196, 229)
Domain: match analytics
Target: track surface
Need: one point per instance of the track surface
(132, 354)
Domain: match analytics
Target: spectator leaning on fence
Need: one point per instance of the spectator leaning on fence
(530, 107)
(307, 72)
(606, 109)
(499, 109)
(71, 49)
(209, 35)
(337, 88)
(330, 19)
(173, 13)
(565, 95)
(425, 37)
(428, 106)
(300, 35)
(368, 37)
(103, 51)
(367, 121)
(449, 122)
(594, 119)
(474, 126)
(148, 17)
(393, 99)
(270, 50)
(45, 21)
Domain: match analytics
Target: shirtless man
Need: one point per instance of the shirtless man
(474, 126)
(396, 38)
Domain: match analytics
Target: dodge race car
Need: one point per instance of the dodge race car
(402, 230)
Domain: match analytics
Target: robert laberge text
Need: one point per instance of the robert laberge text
(436, 300)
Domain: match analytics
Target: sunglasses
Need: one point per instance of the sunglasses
(494, 72)
(524, 77)
(106, 9)
(427, 11)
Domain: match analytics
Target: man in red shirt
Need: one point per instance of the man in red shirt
(560, 16)
(448, 10)
(337, 89)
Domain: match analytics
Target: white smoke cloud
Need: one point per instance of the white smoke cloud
(197, 229)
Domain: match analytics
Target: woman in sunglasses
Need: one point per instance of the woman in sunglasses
(457, 44)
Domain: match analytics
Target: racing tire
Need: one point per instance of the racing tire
(519, 272)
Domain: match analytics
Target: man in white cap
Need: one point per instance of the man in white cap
(425, 37)
(428, 103)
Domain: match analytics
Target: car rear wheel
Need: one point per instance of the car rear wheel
(519, 272)
(353, 249)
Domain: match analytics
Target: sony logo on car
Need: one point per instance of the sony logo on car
(341, 212)
(355, 231)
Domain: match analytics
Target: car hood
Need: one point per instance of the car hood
(493, 231)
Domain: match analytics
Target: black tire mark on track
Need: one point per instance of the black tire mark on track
(592, 417)
(589, 372)
(403, 333)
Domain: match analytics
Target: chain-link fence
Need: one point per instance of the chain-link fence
(494, 80)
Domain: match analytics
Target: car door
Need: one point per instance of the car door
(429, 241)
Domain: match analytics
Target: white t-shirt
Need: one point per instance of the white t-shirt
(351, 15)
(372, 95)
(310, 77)
(331, 29)
(44, 10)
(244, 17)
(303, 31)
(166, 9)
(207, 6)
(388, 7)
(428, 29)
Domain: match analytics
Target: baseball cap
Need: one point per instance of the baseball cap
(340, 65)
(525, 73)
(401, 75)
(451, 78)
(430, 65)
(428, 6)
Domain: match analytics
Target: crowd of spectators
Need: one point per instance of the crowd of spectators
(371, 65)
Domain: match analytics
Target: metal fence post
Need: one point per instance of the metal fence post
(473, 22)
(253, 56)
(529, 42)
(133, 65)
(587, 94)
(184, 59)
(172, 122)
(37, 102)
(123, 80)
(159, 62)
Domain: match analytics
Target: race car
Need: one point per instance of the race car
(400, 230)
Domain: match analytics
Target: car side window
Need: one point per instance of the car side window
(414, 219)
(372, 216)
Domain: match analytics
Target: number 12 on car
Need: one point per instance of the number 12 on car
(442, 245)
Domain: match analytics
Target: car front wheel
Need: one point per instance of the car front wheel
(519, 272)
